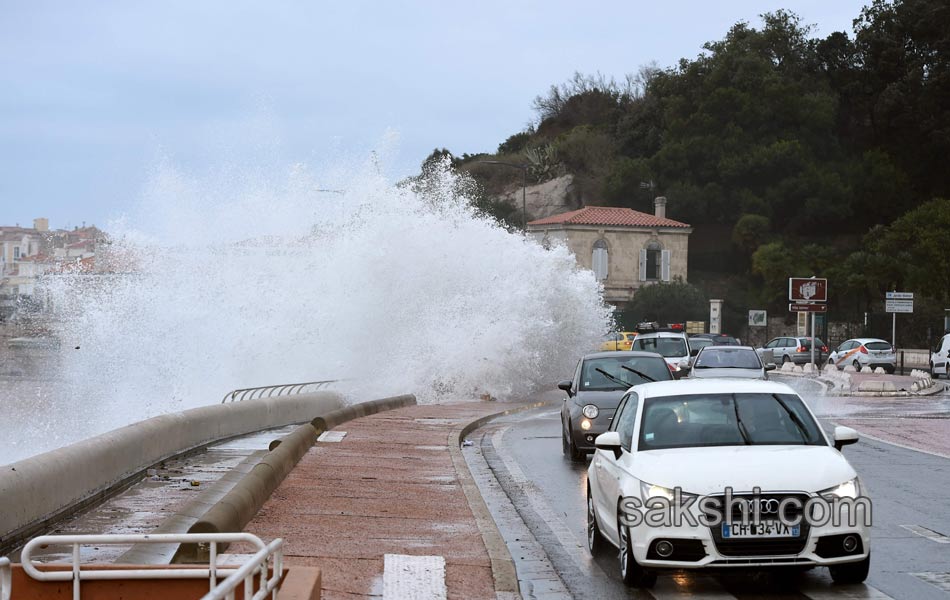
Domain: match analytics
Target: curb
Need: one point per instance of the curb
(502, 565)
(235, 509)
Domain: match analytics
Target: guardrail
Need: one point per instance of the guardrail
(6, 578)
(268, 391)
(267, 562)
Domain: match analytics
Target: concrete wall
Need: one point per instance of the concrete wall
(36, 489)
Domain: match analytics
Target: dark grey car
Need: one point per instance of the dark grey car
(600, 381)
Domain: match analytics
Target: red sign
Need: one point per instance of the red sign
(801, 289)
(808, 307)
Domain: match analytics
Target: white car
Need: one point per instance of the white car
(940, 358)
(671, 345)
(675, 449)
(864, 352)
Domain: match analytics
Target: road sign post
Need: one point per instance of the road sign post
(808, 294)
(897, 302)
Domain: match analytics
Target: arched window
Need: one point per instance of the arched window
(599, 260)
(654, 263)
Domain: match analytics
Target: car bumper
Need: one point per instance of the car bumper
(702, 547)
(584, 438)
(801, 359)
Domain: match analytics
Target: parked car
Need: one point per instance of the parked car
(622, 340)
(864, 352)
(940, 358)
(600, 380)
(728, 361)
(691, 441)
(796, 349)
(671, 345)
(719, 339)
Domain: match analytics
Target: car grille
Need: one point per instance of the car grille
(766, 546)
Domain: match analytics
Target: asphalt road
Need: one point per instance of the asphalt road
(910, 490)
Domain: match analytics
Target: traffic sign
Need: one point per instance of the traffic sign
(898, 306)
(808, 307)
(806, 289)
(899, 295)
(757, 318)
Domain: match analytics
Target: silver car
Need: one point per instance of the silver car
(796, 349)
(864, 352)
(600, 380)
(729, 361)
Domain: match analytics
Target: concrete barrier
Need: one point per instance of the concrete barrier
(236, 508)
(44, 488)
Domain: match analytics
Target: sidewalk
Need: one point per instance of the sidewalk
(390, 487)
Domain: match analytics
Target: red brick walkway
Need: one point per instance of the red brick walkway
(389, 487)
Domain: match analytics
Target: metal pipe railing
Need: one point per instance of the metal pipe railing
(257, 564)
(282, 389)
(6, 579)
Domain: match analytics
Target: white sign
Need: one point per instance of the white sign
(899, 295)
(757, 318)
(899, 306)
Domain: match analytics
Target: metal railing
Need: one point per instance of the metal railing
(260, 563)
(267, 391)
(6, 579)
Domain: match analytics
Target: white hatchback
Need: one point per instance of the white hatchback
(864, 352)
(708, 473)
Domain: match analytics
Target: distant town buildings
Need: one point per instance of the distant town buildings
(28, 253)
(625, 248)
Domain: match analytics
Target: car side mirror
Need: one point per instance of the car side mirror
(770, 367)
(844, 436)
(566, 386)
(609, 441)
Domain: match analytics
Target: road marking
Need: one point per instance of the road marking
(940, 580)
(930, 534)
(332, 436)
(413, 577)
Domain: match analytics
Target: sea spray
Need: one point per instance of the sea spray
(242, 278)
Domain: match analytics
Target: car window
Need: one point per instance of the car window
(577, 374)
(593, 379)
(772, 344)
(631, 337)
(713, 420)
(618, 413)
(669, 347)
(625, 421)
(727, 358)
(878, 346)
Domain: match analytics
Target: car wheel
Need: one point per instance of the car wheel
(856, 365)
(889, 370)
(785, 359)
(630, 570)
(565, 445)
(571, 450)
(595, 541)
(855, 572)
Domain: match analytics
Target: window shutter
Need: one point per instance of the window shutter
(665, 264)
(643, 264)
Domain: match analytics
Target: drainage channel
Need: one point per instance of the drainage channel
(153, 501)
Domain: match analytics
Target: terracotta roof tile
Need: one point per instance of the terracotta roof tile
(605, 215)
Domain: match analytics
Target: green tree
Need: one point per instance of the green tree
(671, 302)
(920, 241)
(750, 232)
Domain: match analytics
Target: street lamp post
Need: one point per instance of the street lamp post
(524, 187)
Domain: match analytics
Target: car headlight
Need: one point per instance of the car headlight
(648, 490)
(590, 411)
(848, 489)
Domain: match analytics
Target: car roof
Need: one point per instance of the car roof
(676, 334)
(685, 387)
(728, 347)
(622, 353)
(867, 340)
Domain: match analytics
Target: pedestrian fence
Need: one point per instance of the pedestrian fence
(268, 391)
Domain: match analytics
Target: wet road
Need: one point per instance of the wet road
(910, 550)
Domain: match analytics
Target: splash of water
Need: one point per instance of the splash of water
(234, 280)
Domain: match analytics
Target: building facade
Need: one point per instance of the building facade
(625, 248)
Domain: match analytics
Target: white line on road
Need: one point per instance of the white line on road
(413, 577)
(930, 534)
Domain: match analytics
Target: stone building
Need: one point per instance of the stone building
(625, 248)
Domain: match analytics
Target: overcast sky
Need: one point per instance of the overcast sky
(94, 94)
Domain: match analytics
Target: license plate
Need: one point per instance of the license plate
(765, 529)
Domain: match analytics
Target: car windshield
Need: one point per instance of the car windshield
(727, 358)
(664, 346)
(696, 343)
(726, 420)
(806, 342)
(594, 380)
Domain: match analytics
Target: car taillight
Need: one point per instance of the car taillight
(670, 367)
(824, 348)
(802, 349)
(864, 350)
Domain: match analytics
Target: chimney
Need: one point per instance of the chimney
(41, 224)
(660, 204)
